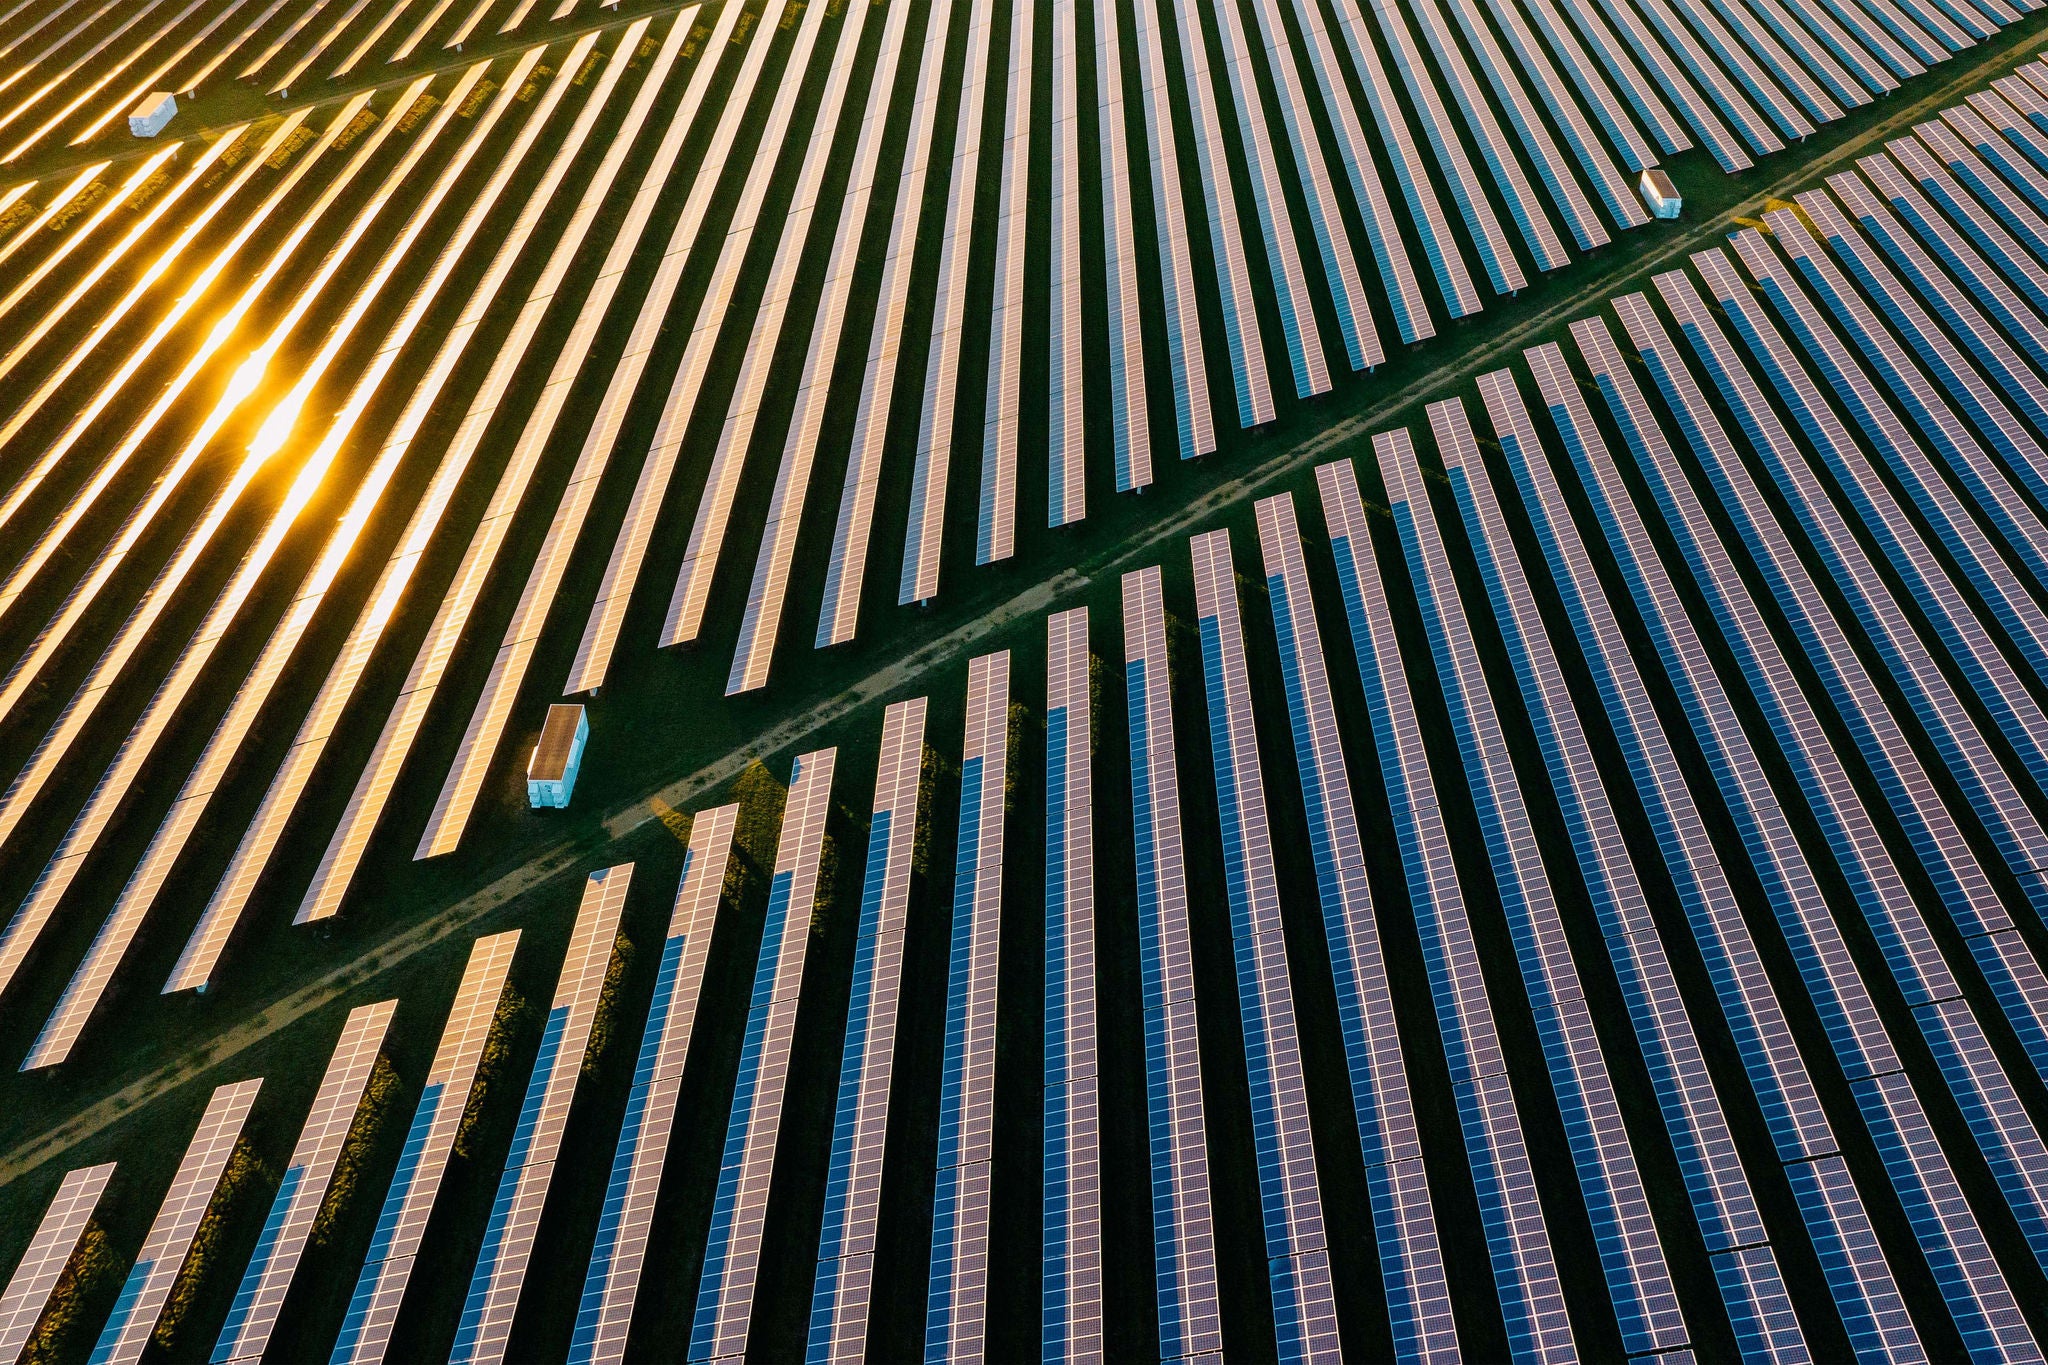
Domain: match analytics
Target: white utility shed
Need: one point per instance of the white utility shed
(551, 772)
(149, 117)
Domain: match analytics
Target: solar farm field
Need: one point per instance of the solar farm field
(1235, 709)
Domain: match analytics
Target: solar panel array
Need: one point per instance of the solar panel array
(1073, 1141)
(148, 1284)
(842, 1292)
(1183, 1231)
(289, 1225)
(732, 1250)
(429, 1140)
(1838, 566)
(49, 1251)
(956, 1300)
(502, 1261)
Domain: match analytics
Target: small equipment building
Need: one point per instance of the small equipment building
(150, 116)
(551, 772)
(1660, 194)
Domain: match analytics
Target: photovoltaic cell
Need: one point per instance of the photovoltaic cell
(840, 1294)
(481, 737)
(1183, 1236)
(957, 1293)
(762, 618)
(846, 570)
(618, 1256)
(1072, 1285)
(133, 1321)
(409, 1203)
(259, 841)
(500, 1273)
(1226, 242)
(739, 1210)
(1722, 1200)
(1638, 1278)
(373, 787)
(1290, 1196)
(49, 1251)
(293, 1212)
(924, 535)
(995, 534)
(790, 231)
(1976, 1293)
(1518, 1243)
(1411, 1261)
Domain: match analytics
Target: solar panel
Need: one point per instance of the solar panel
(1495, 256)
(846, 569)
(1965, 890)
(2021, 176)
(707, 316)
(402, 1222)
(171, 474)
(957, 1291)
(1226, 242)
(1131, 435)
(1650, 46)
(1789, 76)
(193, 547)
(1991, 191)
(501, 1263)
(1821, 42)
(52, 453)
(1623, 204)
(1072, 1267)
(1861, 1284)
(2021, 323)
(2023, 272)
(1382, 232)
(1066, 437)
(1506, 171)
(1283, 257)
(739, 1211)
(49, 1251)
(925, 532)
(1721, 1197)
(156, 1267)
(996, 529)
(337, 866)
(1963, 636)
(118, 778)
(458, 793)
(139, 225)
(1183, 1237)
(760, 622)
(618, 1255)
(1304, 1304)
(480, 740)
(853, 1180)
(289, 1225)
(1638, 1278)
(89, 982)
(1411, 1263)
(1999, 425)
(1945, 1232)
(1667, 130)
(1524, 1271)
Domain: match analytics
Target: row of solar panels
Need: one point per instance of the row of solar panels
(369, 169)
